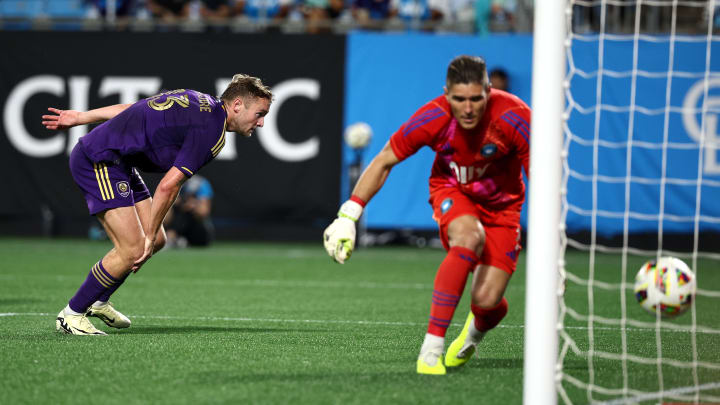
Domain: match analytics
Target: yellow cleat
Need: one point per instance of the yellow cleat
(460, 351)
(111, 316)
(431, 363)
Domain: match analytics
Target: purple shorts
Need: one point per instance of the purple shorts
(106, 185)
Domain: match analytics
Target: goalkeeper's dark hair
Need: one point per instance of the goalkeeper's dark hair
(465, 69)
(245, 86)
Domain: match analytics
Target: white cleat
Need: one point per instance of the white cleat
(75, 325)
(109, 315)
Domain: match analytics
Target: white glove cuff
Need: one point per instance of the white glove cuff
(351, 210)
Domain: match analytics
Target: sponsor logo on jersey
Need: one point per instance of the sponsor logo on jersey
(123, 188)
(468, 174)
(445, 206)
(488, 150)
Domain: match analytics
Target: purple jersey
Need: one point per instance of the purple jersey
(181, 128)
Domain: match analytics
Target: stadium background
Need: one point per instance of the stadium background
(208, 323)
(287, 181)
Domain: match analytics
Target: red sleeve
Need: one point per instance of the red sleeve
(515, 123)
(420, 130)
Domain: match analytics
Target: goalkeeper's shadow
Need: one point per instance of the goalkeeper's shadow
(486, 363)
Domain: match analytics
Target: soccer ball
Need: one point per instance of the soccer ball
(358, 135)
(666, 284)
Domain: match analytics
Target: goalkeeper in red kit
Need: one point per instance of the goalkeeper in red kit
(481, 137)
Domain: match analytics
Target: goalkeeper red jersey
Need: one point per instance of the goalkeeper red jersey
(486, 162)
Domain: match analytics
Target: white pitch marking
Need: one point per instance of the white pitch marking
(243, 319)
(664, 394)
(340, 321)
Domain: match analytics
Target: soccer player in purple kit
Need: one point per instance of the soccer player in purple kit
(176, 133)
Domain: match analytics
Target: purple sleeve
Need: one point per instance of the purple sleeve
(201, 145)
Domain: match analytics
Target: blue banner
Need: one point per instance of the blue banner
(636, 159)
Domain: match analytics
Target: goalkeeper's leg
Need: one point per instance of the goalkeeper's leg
(448, 287)
(463, 236)
(488, 308)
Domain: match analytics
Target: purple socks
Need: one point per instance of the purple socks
(98, 285)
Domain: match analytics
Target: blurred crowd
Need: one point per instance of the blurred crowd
(627, 16)
(319, 16)
(313, 16)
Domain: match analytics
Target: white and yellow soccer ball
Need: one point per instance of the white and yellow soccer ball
(666, 285)
(358, 135)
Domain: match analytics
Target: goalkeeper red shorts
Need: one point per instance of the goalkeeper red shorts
(502, 228)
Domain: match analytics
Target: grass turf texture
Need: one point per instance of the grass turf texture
(277, 323)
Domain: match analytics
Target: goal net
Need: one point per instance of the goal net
(640, 180)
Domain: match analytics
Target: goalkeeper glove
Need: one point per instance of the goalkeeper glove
(339, 237)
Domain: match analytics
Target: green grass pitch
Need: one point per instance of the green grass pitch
(280, 323)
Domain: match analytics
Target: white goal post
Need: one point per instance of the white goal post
(543, 238)
(624, 168)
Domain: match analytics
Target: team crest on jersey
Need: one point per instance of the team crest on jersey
(123, 188)
(488, 150)
(445, 206)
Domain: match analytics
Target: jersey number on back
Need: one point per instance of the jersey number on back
(170, 100)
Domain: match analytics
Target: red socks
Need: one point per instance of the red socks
(488, 318)
(448, 288)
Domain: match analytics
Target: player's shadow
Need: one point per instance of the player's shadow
(496, 363)
(165, 330)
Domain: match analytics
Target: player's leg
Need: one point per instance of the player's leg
(143, 205)
(488, 305)
(102, 308)
(103, 187)
(125, 231)
(463, 236)
(144, 213)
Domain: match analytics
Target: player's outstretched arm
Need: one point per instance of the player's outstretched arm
(165, 194)
(339, 237)
(64, 119)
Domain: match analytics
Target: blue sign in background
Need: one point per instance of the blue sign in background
(389, 77)
(635, 127)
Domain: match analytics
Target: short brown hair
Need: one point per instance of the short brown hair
(246, 86)
(467, 69)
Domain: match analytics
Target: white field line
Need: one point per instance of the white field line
(663, 394)
(334, 321)
(243, 319)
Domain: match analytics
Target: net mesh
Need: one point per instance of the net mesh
(641, 180)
